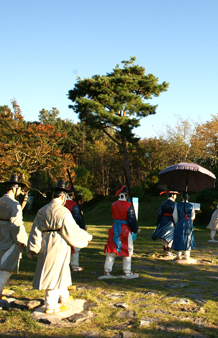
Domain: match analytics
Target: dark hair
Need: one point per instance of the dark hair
(11, 186)
(58, 193)
(185, 196)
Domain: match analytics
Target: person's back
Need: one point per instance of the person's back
(119, 210)
(182, 213)
(51, 215)
(120, 241)
(183, 234)
(8, 205)
(13, 235)
(53, 232)
(10, 212)
(213, 226)
(165, 222)
(168, 206)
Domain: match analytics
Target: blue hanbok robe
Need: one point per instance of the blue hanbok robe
(183, 239)
(165, 221)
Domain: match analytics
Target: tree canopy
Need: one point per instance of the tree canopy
(116, 102)
(28, 147)
(41, 152)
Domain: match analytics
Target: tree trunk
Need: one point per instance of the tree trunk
(103, 181)
(126, 160)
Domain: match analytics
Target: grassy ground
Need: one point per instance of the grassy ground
(167, 281)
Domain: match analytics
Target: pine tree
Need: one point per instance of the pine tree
(116, 102)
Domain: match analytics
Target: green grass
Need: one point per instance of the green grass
(155, 274)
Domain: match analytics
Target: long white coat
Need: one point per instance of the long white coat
(54, 246)
(213, 225)
(13, 235)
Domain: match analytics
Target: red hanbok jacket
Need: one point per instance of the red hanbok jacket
(125, 224)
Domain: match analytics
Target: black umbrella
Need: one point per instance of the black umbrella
(187, 176)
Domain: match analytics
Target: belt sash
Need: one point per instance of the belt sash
(117, 233)
(50, 230)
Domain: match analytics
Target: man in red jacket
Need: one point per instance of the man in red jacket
(120, 241)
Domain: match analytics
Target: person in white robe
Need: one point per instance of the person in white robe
(53, 233)
(213, 226)
(13, 236)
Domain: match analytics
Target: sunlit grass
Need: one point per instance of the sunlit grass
(155, 275)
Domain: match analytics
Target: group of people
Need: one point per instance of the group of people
(58, 232)
(54, 232)
(175, 225)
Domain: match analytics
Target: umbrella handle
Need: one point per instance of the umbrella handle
(186, 186)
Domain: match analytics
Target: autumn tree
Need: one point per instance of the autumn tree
(178, 140)
(26, 148)
(205, 140)
(116, 102)
(103, 161)
(96, 156)
(173, 145)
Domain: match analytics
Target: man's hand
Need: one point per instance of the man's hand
(139, 230)
(24, 200)
(30, 255)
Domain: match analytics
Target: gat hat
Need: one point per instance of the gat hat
(124, 190)
(170, 192)
(14, 181)
(61, 186)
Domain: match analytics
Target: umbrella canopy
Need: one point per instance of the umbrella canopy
(187, 176)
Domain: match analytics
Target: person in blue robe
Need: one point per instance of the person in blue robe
(183, 239)
(165, 222)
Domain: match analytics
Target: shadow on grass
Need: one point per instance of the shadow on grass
(169, 280)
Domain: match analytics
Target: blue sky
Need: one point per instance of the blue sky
(46, 44)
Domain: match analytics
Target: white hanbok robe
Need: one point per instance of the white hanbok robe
(13, 236)
(213, 225)
(53, 233)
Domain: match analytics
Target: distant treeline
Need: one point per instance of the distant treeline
(40, 152)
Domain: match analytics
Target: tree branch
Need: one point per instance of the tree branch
(103, 128)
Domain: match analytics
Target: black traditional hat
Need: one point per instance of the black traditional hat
(14, 181)
(170, 192)
(61, 186)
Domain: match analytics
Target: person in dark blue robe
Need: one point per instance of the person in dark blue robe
(183, 239)
(165, 222)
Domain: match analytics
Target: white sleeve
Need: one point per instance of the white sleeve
(73, 234)
(193, 214)
(175, 214)
(16, 226)
(35, 237)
